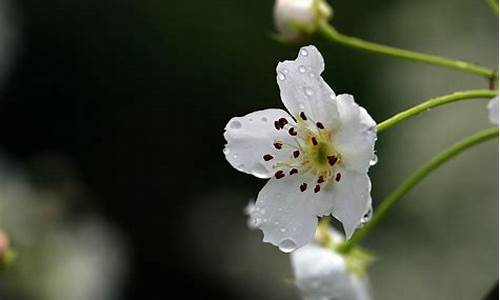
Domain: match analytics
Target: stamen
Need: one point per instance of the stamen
(320, 125)
(278, 145)
(332, 160)
(293, 171)
(296, 153)
(337, 177)
(314, 141)
(303, 187)
(303, 116)
(267, 157)
(292, 131)
(277, 125)
(282, 122)
(317, 188)
(279, 174)
(321, 179)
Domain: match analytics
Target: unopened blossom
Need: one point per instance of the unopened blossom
(316, 155)
(295, 20)
(321, 273)
(493, 110)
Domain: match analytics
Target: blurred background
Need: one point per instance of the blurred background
(113, 184)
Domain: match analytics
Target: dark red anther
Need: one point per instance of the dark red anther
(337, 177)
(332, 160)
(267, 157)
(277, 125)
(296, 153)
(303, 187)
(317, 188)
(321, 179)
(320, 125)
(279, 174)
(282, 122)
(292, 131)
(303, 116)
(293, 171)
(314, 141)
(278, 145)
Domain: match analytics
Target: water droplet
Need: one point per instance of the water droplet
(285, 71)
(235, 124)
(287, 245)
(302, 69)
(312, 75)
(308, 91)
(304, 52)
(264, 120)
(264, 221)
(235, 156)
(374, 160)
(301, 106)
(282, 229)
(281, 76)
(257, 221)
(367, 216)
(276, 223)
(250, 119)
(226, 151)
(333, 96)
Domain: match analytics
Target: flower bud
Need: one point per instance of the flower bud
(296, 20)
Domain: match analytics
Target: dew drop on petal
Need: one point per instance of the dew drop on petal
(302, 69)
(301, 106)
(282, 229)
(264, 120)
(374, 160)
(226, 151)
(235, 156)
(235, 125)
(304, 52)
(281, 76)
(367, 216)
(250, 119)
(287, 245)
(308, 91)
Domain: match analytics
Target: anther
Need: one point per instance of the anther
(337, 177)
(277, 125)
(278, 145)
(320, 125)
(317, 188)
(279, 174)
(292, 131)
(314, 141)
(293, 171)
(303, 116)
(321, 179)
(296, 153)
(303, 187)
(332, 160)
(267, 157)
(282, 122)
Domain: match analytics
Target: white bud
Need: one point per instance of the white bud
(493, 110)
(296, 20)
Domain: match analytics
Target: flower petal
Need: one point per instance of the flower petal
(251, 137)
(351, 200)
(355, 136)
(493, 110)
(302, 88)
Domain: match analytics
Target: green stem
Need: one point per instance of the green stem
(438, 101)
(494, 5)
(333, 35)
(412, 181)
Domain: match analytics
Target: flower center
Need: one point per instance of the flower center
(312, 154)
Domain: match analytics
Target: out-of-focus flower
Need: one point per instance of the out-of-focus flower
(493, 110)
(321, 273)
(59, 255)
(296, 20)
(317, 158)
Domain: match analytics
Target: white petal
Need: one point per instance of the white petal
(352, 200)
(287, 216)
(288, 11)
(320, 273)
(303, 90)
(493, 110)
(251, 137)
(355, 136)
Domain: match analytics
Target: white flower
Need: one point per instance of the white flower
(321, 273)
(493, 110)
(317, 160)
(289, 14)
